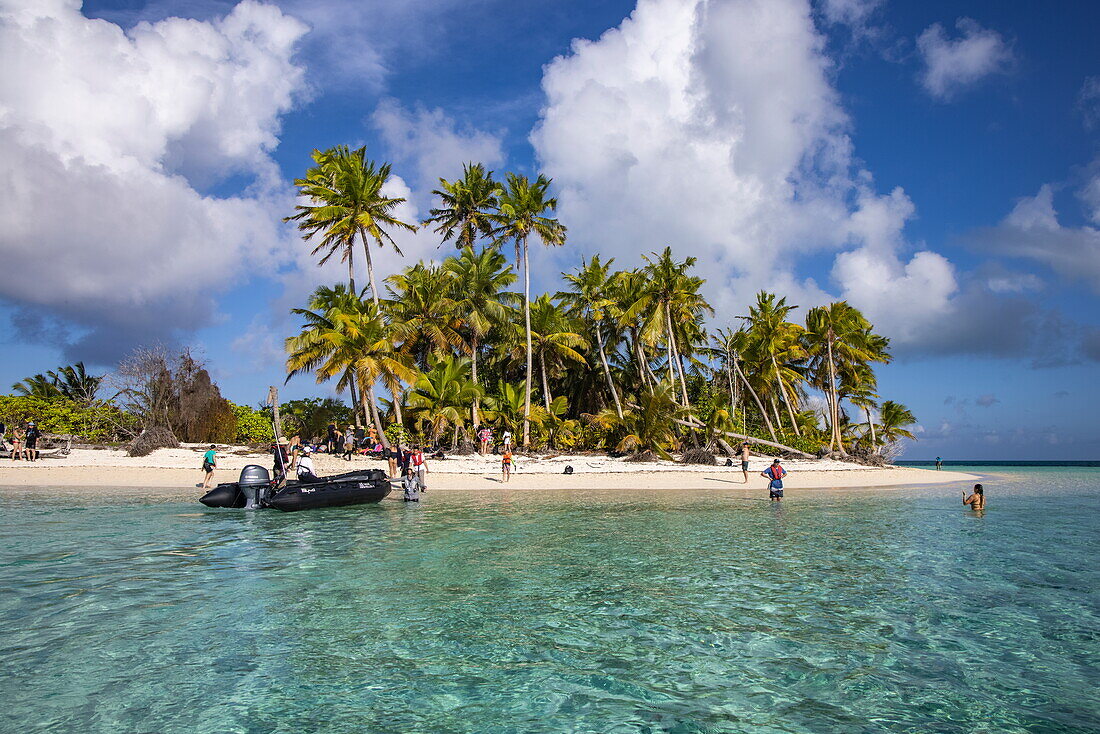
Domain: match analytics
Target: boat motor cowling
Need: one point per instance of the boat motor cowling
(254, 483)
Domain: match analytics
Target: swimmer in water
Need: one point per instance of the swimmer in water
(976, 500)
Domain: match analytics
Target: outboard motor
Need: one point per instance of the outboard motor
(254, 483)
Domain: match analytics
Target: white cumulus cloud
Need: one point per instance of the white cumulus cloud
(953, 64)
(432, 142)
(108, 140)
(713, 126)
(1032, 230)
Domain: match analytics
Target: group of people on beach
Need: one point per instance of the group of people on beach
(24, 440)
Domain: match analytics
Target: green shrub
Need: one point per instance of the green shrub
(95, 422)
(253, 426)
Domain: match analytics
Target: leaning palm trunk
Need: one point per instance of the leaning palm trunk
(786, 396)
(527, 326)
(755, 397)
(751, 439)
(775, 410)
(607, 372)
(870, 425)
(674, 356)
(368, 394)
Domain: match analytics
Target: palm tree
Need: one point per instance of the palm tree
(671, 299)
(37, 386)
(778, 342)
(835, 333)
(894, 417)
(508, 408)
(590, 298)
(479, 281)
(351, 341)
(729, 345)
(468, 206)
(346, 202)
(71, 381)
(646, 428)
(552, 340)
(521, 213)
(439, 396)
(424, 316)
(860, 390)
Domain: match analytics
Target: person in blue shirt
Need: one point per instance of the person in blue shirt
(775, 473)
(939, 463)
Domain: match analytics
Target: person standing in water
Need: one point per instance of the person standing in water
(976, 500)
(420, 467)
(506, 466)
(939, 463)
(775, 473)
(745, 460)
(411, 484)
(209, 463)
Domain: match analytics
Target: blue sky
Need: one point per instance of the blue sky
(938, 164)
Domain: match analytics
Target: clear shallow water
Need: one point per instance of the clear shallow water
(599, 611)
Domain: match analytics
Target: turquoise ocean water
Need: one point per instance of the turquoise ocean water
(591, 611)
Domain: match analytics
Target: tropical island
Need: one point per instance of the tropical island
(616, 367)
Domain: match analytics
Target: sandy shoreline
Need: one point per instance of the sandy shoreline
(175, 472)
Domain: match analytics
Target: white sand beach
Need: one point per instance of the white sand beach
(112, 471)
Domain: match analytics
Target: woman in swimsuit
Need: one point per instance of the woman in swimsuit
(976, 500)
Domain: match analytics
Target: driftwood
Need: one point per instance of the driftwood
(750, 439)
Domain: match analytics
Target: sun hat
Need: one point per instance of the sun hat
(308, 450)
(283, 441)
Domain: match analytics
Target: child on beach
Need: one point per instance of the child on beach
(506, 466)
(745, 460)
(209, 463)
(775, 473)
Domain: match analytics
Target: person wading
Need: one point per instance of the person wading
(775, 473)
(976, 500)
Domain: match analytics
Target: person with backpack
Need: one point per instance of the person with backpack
(775, 473)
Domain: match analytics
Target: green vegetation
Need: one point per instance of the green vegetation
(616, 360)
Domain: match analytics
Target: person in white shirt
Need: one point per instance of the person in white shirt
(507, 440)
(305, 466)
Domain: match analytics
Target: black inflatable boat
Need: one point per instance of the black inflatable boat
(255, 490)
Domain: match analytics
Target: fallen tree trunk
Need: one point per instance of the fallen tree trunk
(750, 439)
